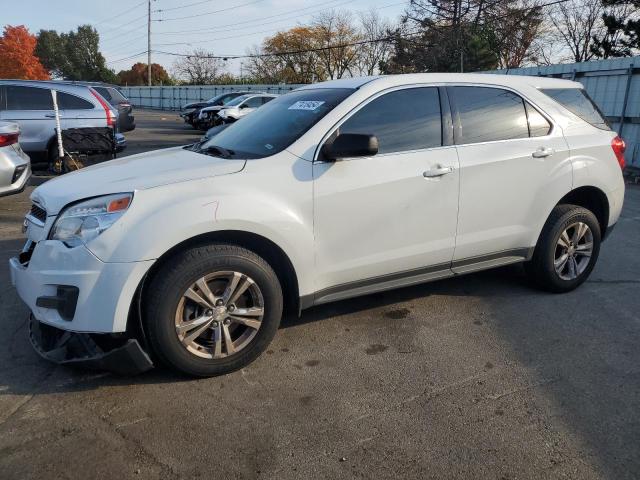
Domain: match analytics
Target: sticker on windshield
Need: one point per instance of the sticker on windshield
(306, 105)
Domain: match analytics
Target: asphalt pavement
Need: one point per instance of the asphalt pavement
(475, 377)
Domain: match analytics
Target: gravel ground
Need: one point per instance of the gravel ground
(475, 377)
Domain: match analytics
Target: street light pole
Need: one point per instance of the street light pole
(149, 42)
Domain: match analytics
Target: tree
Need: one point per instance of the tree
(138, 75)
(621, 34)
(198, 68)
(17, 59)
(288, 57)
(74, 55)
(373, 28)
(576, 24)
(332, 33)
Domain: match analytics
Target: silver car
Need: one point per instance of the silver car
(29, 104)
(15, 167)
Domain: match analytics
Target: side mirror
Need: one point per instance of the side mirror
(347, 145)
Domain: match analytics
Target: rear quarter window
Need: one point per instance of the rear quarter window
(580, 104)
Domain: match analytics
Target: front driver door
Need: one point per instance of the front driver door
(388, 219)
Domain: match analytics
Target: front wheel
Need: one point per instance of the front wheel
(567, 249)
(211, 310)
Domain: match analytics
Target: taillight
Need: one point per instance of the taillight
(618, 146)
(7, 139)
(110, 117)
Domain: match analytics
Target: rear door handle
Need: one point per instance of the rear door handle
(438, 171)
(543, 152)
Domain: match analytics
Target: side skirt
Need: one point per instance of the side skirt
(415, 276)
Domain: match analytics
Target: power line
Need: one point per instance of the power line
(183, 6)
(120, 14)
(128, 58)
(208, 13)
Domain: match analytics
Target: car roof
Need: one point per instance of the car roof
(513, 81)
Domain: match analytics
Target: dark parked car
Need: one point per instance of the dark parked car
(190, 111)
(126, 120)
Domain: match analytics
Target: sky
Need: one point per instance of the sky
(224, 27)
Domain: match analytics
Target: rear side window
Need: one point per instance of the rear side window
(104, 92)
(116, 96)
(254, 102)
(407, 119)
(28, 98)
(538, 125)
(67, 101)
(489, 114)
(579, 103)
(266, 99)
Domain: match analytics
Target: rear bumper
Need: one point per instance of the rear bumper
(104, 290)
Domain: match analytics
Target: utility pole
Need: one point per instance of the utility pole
(149, 41)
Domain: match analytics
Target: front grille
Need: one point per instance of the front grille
(38, 212)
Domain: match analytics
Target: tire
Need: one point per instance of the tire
(227, 343)
(546, 268)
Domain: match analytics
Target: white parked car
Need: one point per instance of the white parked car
(243, 106)
(334, 190)
(15, 166)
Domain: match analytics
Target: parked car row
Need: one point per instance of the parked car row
(224, 108)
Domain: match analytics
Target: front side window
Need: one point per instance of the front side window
(278, 124)
(402, 120)
(28, 98)
(579, 103)
(67, 101)
(489, 114)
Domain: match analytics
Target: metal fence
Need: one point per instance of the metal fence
(174, 97)
(614, 85)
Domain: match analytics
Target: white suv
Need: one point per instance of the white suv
(334, 190)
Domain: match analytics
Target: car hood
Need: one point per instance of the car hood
(128, 174)
(195, 105)
(213, 108)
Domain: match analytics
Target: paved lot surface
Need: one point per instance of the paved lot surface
(475, 377)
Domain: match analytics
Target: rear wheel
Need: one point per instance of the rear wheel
(212, 310)
(567, 250)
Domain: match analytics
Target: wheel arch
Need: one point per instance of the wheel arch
(273, 254)
(593, 199)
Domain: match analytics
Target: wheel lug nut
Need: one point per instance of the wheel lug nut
(215, 324)
(231, 308)
(227, 321)
(219, 302)
(208, 313)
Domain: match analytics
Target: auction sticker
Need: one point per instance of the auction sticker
(306, 105)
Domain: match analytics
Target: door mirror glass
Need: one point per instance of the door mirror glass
(347, 145)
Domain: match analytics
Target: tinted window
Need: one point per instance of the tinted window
(490, 114)
(279, 123)
(578, 102)
(104, 92)
(116, 96)
(538, 125)
(254, 102)
(267, 99)
(28, 98)
(67, 101)
(403, 120)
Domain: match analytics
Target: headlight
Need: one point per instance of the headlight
(84, 221)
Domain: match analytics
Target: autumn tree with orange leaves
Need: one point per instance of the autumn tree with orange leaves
(17, 59)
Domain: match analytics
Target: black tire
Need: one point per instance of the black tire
(165, 290)
(541, 269)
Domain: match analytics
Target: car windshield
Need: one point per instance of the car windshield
(217, 98)
(237, 101)
(276, 125)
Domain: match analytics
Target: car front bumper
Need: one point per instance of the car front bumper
(71, 289)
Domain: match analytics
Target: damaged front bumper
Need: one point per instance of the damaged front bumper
(123, 356)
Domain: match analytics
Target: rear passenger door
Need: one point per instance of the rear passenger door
(79, 112)
(32, 109)
(514, 166)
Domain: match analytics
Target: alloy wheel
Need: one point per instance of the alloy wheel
(219, 314)
(573, 251)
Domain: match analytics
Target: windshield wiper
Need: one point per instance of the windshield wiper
(216, 151)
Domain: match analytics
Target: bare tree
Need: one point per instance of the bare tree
(576, 23)
(198, 68)
(333, 32)
(371, 55)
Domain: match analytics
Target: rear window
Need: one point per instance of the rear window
(578, 102)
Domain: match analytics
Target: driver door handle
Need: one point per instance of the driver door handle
(543, 152)
(437, 171)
